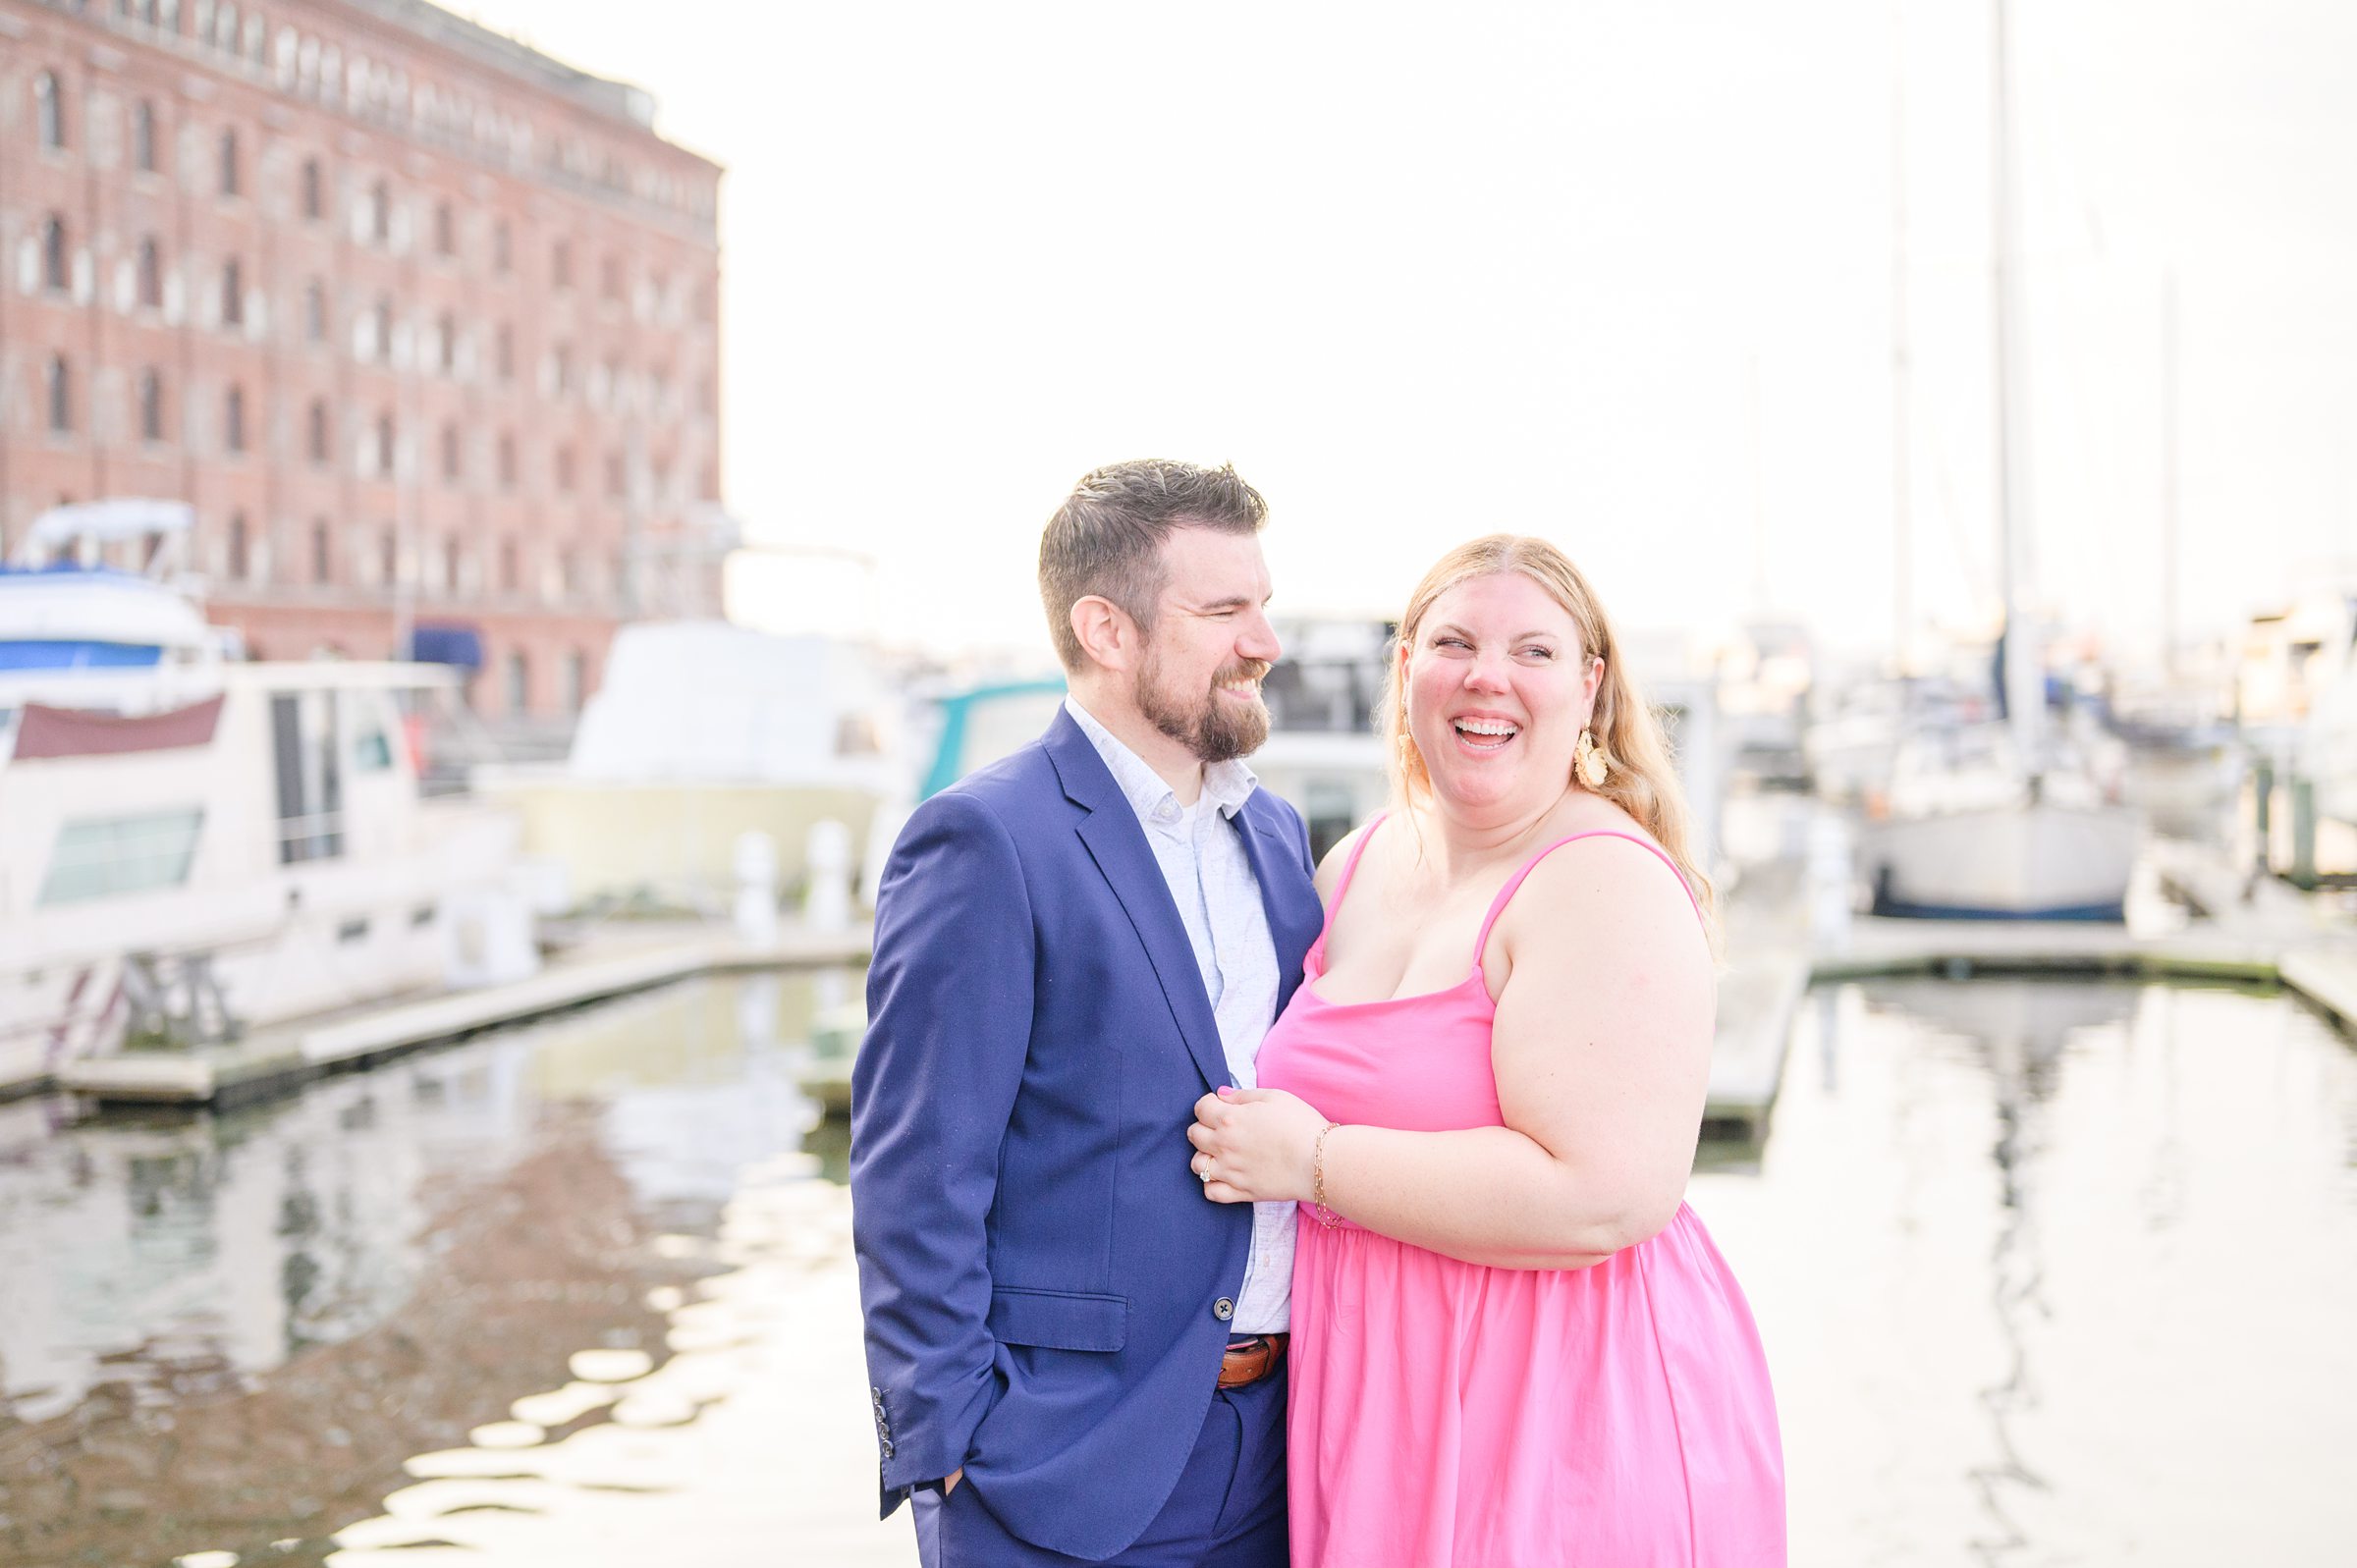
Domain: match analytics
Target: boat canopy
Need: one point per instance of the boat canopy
(118, 518)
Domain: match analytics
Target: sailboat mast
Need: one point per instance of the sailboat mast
(2168, 477)
(1902, 548)
(2024, 685)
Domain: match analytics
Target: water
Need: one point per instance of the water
(230, 1332)
(2057, 1273)
(2048, 1273)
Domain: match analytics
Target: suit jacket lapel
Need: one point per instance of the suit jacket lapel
(1117, 843)
(1275, 869)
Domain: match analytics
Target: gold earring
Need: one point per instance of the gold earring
(1591, 760)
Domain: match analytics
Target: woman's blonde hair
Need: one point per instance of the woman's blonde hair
(1641, 778)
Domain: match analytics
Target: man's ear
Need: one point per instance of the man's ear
(1106, 635)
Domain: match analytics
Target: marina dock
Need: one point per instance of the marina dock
(1785, 934)
(2245, 929)
(611, 964)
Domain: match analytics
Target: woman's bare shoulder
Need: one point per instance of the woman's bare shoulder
(1615, 879)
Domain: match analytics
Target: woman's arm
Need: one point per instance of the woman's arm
(1602, 1053)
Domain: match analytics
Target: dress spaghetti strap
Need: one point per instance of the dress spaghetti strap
(1366, 835)
(1498, 905)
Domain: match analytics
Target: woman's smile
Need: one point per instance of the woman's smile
(1484, 734)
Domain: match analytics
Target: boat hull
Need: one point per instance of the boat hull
(2021, 862)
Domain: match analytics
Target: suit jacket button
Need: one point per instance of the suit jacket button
(1222, 1309)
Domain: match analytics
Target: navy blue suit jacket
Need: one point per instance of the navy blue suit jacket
(1046, 1289)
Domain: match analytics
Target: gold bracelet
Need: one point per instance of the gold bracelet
(1317, 1177)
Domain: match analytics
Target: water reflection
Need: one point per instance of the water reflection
(2052, 1271)
(2020, 1033)
(2045, 1272)
(231, 1331)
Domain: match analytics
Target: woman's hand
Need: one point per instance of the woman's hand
(1254, 1146)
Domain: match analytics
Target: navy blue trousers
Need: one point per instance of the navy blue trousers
(1228, 1510)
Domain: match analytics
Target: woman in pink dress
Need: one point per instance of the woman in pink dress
(1513, 1345)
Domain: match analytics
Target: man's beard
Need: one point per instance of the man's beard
(1211, 728)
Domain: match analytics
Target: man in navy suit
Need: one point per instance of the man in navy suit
(1074, 1357)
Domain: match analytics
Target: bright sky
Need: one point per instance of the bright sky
(1613, 273)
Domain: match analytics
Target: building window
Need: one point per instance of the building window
(507, 461)
(446, 235)
(507, 565)
(318, 445)
(314, 313)
(564, 470)
(380, 212)
(384, 446)
(152, 275)
(389, 556)
(314, 188)
(233, 295)
(450, 563)
(506, 352)
(501, 257)
(610, 278)
(239, 555)
(152, 407)
(576, 675)
(384, 327)
(450, 454)
(142, 137)
(614, 473)
(446, 342)
(230, 173)
(225, 28)
(568, 570)
(320, 559)
(56, 269)
(519, 682)
(563, 372)
(59, 379)
(560, 264)
(233, 420)
(49, 102)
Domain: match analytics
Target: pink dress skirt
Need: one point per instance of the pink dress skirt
(1447, 1413)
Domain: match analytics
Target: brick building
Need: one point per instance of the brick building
(422, 321)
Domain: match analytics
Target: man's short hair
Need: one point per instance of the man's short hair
(1106, 539)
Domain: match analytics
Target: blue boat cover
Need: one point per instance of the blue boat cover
(78, 655)
(460, 645)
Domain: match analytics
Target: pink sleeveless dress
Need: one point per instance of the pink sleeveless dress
(1449, 1415)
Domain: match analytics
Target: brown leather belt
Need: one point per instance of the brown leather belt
(1250, 1359)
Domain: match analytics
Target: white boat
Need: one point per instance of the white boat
(704, 735)
(191, 847)
(2023, 830)
(2030, 861)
